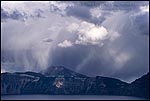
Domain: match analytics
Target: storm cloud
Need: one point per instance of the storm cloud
(88, 37)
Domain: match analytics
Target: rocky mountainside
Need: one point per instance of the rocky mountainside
(62, 81)
(61, 71)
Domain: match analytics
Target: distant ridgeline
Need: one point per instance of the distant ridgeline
(58, 80)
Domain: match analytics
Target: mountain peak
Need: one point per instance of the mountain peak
(60, 71)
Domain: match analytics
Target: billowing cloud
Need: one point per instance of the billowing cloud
(90, 34)
(65, 44)
(23, 10)
(96, 12)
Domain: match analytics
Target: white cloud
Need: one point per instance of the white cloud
(95, 12)
(59, 7)
(89, 33)
(144, 8)
(73, 27)
(25, 8)
(65, 44)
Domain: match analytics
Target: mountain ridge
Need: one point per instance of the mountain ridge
(71, 83)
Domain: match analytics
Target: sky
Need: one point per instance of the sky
(105, 38)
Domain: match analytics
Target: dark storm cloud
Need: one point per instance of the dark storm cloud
(36, 44)
(82, 9)
(78, 57)
(81, 12)
(130, 27)
(124, 5)
(141, 22)
(113, 5)
(85, 59)
(4, 14)
(138, 63)
(14, 15)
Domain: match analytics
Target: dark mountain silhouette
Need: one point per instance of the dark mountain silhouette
(60, 80)
(141, 86)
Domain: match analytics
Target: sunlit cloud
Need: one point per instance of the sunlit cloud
(90, 34)
(65, 44)
(145, 8)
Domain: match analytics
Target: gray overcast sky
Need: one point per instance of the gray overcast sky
(91, 37)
